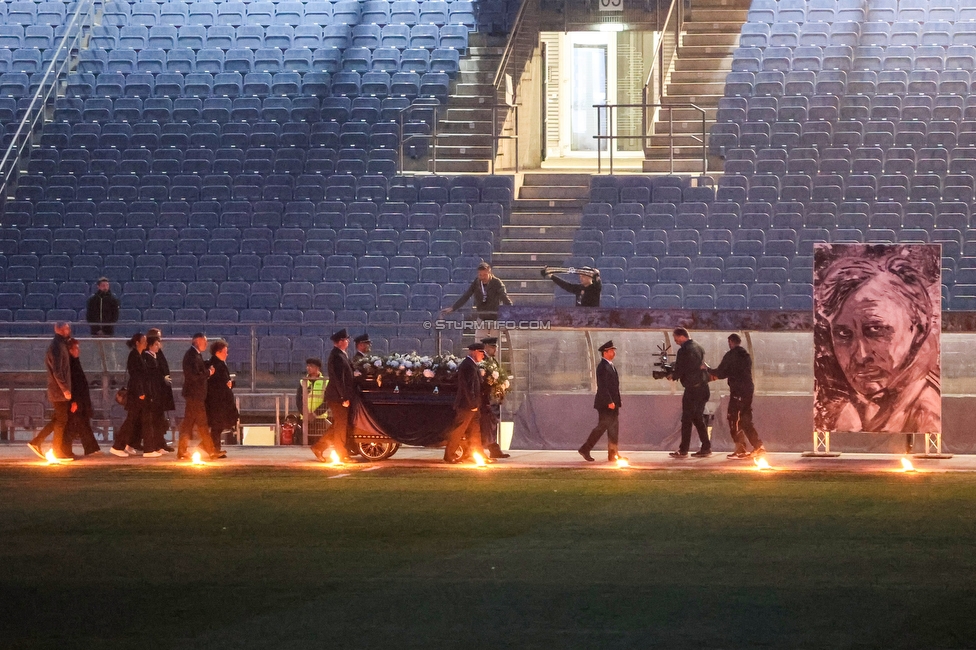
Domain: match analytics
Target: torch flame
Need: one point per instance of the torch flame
(906, 465)
(334, 458)
(197, 459)
(51, 459)
(479, 460)
(622, 462)
(762, 463)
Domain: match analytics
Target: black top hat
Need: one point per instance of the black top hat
(362, 338)
(476, 346)
(338, 336)
(314, 361)
(491, 340)
(607, 346)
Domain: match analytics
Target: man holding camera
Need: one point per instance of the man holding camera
(736, 366)
(690, 370)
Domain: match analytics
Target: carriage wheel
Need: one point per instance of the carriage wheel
(377, 449)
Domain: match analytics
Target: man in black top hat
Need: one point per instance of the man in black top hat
(340, 393)
(587, 291)
(363, 345)
(607, 404)
(690, 370)
(467, 403)
(491, 414)
(736, 366)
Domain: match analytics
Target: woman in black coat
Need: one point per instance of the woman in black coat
(138, 417)
(153, 438)
(221, 409)
(81, 411)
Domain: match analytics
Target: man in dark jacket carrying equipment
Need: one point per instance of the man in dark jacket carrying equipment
(195, 376)
(587, 291)
(736, 366)
(340, 393)
(690, 370)
(607, 404)
(467, 403)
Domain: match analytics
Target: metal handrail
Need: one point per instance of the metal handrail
(496, 136)
(510, 44)
(74, 33)
(600, 138)
(431, 137)
(657, 59)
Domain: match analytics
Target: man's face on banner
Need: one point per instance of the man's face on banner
(872, 335)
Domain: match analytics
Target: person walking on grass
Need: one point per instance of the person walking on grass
(690, 370)
(81, 411)
(195, 376)
(736, 366)
(607, 404)
(340, 399)
(222, 411)
(138, 418)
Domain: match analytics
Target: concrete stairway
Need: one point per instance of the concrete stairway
(464, 135)
(544, 220)
(710, 35)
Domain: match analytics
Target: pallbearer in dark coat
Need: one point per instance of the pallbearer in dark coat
(221, 408)
(607, 405)
(490, 413)
(152, 438)
(340, 396)
(467, 404)
(195, 376)
(363, 346)
(138, 417)
(81, 411)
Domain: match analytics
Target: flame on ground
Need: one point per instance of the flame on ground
(906, 465)
(479, 460)
(197, 459)
(623, 462)
(334, 459)
(762, 463)
(51, 458)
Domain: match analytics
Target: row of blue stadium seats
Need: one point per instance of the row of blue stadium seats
(36, 13)
(202, 85)
(862, 82)
(800, 11)
(817, 58)
(416, 58)
(897, 194)
(876, 33)
(918, 112)
(954, 165)
(225, 37)
(266, 14)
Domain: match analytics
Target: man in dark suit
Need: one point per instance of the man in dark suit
(340, 393)
(467, 403)
(195, 376)
(690, 370)
(363, 346)
(607, 405)
(491, 414)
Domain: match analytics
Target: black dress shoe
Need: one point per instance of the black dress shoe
(499, 454)
(678, 454)
(168, 448)
(585, 454)
(702, 453)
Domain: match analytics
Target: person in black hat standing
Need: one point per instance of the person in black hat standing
(587, 291)
(491, 414)
(607, 404)
(690, 370)
(340, 393)
(736, 366)
(467, 403)
(311, 389)
(363, 346)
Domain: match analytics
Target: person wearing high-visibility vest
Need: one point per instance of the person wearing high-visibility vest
(312, 387)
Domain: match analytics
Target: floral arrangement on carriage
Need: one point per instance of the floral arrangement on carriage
(412, 371)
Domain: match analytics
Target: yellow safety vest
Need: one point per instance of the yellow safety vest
(316, 395)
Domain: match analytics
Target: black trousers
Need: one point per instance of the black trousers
(138, 424)
(79, 426)
(467, 426)
(337, 435)
(59, 425)
(489, 425)
(195, 417)
(608, 423)
(693, 413)
(740, 422)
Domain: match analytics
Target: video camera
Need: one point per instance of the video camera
(665, 365)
